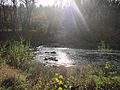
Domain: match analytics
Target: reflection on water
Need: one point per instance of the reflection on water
(63, 59)
(59, 57)
(68, 57)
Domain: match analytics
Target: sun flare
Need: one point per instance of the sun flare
(60, 3)
(45, 2)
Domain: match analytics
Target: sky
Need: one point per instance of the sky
(54, 2)
(49, 2)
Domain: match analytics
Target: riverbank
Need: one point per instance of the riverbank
(37, 38)
(18, 71)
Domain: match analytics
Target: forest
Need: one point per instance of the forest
(59, 44)
(81, 25)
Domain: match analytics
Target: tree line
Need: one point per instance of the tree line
(84, 21)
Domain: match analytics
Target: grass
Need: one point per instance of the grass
(19, 72)
(104, 48)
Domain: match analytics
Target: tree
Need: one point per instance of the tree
(2, 13)
(14, 15)
(29, 4)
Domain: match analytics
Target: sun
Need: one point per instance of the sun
(45, 2)
(60, 3)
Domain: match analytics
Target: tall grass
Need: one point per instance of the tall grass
(104, 48)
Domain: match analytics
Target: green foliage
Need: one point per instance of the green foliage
(16, 53)
(106, 78)
(60, 83)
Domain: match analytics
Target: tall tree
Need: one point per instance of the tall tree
(29, 4)
(2, 13)
(14, 15)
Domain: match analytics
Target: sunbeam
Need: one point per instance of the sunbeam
(75, 7)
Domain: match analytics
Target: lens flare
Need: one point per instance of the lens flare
(81, 16)
(60, 3)
(71, 4)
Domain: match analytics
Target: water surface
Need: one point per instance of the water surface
(71, 57)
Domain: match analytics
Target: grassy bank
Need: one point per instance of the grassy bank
(19, 72)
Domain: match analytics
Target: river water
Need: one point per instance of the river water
(70, 57)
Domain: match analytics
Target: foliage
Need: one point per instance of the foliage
(19, 53)
(60, 83)
(16, 53)
(106, 78)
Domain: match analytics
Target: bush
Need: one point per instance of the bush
(106, 78)
(18, 53)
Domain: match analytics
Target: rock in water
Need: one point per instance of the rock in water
(47, 52)
(53, 52)
(45, 59)
(51, 58)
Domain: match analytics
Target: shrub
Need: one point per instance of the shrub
(106, 78)
(18, 53)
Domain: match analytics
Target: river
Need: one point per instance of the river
(72, 57)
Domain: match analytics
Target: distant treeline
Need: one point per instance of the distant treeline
(82, 24)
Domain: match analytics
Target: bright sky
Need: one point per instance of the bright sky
(54, 2)
(45, 2)
(60, 3)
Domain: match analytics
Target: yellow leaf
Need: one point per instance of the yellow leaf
(70, 86)
(65, 86)
(61, 77)
(68, 82)
(57, 80)
(60, 88)
(60, 82)
(56, 74)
